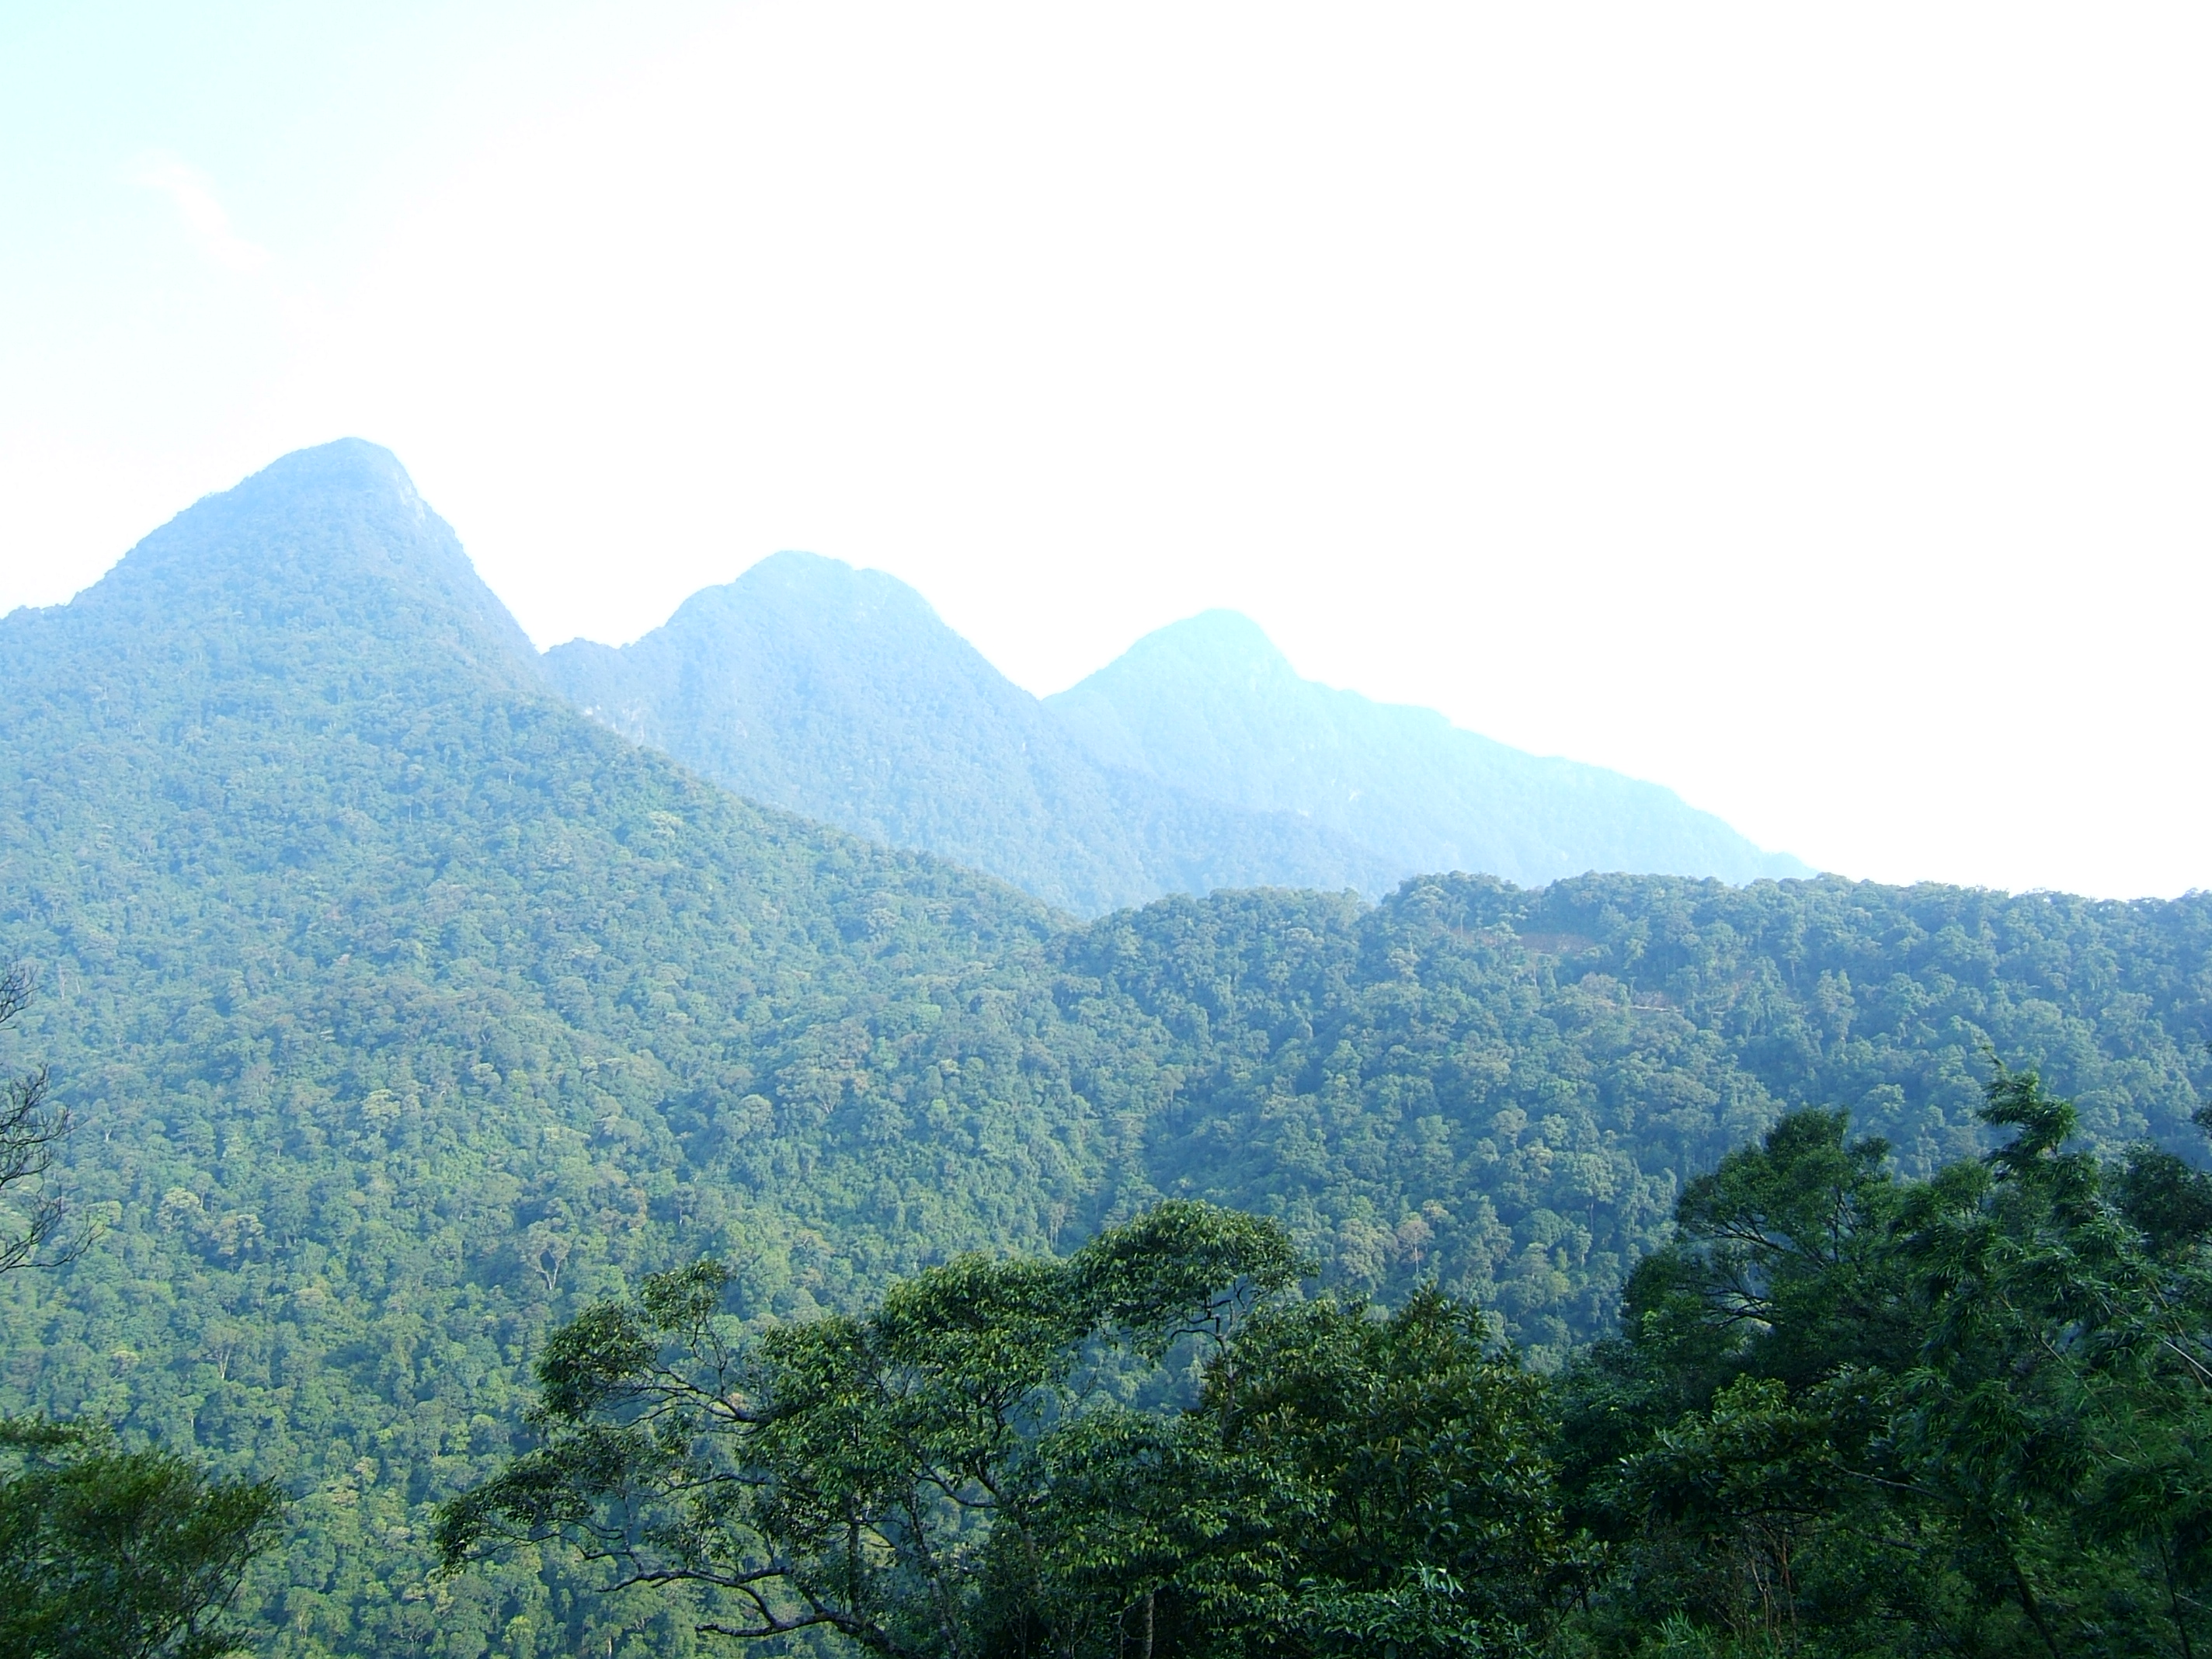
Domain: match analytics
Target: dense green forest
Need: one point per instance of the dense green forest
(402, 1013)
(1504, 1090)
(1847, 1415)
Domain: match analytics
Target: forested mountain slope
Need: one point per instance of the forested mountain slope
(1198, 760)
(402, 1009)
(1210, 706)
(388, 991)
(838, 693)
(1506, 1089)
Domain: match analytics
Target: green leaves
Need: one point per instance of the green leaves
(1182, 1269)
(870, 1474)
(1414, 1441)
(955, 1472)
(1849, 1414)
(594, 1358)
(1970, 1412)
(108, 1554)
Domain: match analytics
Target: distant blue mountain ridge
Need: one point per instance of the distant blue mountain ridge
(1200, 759)
(838, 693)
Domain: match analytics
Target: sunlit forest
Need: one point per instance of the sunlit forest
(519, 1198)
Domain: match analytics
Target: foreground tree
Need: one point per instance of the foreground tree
(105, 1552)
(1847, 1413)
(1857, 1415)
(31, 1129)
(850, 1474)
(1346, 1483)
(962, 1471)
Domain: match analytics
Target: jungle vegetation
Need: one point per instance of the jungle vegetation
(1846, 1414)
(403, 1014)
(107, 1552)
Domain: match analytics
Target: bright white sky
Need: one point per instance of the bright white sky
(1805, 407)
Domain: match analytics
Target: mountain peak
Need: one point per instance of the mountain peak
(322, 549)
(1209, 706)
(841, 694)
(343, 462)
(794, 565)
(818, 578)
(351, 482)
(1213, 644)
(788, 588)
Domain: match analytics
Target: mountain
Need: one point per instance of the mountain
(1210, 706)
(403, 1010)
(386, 992)
(838, 693)
(1196, 761)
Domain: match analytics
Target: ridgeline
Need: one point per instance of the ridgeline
(403, 1009)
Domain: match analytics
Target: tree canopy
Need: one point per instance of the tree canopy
(402, 1013)
(105, 1551)
(1848, 1412)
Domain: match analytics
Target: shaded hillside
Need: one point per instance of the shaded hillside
(838, 693)
(1210, 706)
(403, 1009)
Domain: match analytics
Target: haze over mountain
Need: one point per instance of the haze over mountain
(403, 1010)
(1198, 760)
(838, 693)
(1210, 705)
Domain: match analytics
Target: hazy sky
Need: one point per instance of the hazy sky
(1805, 407)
